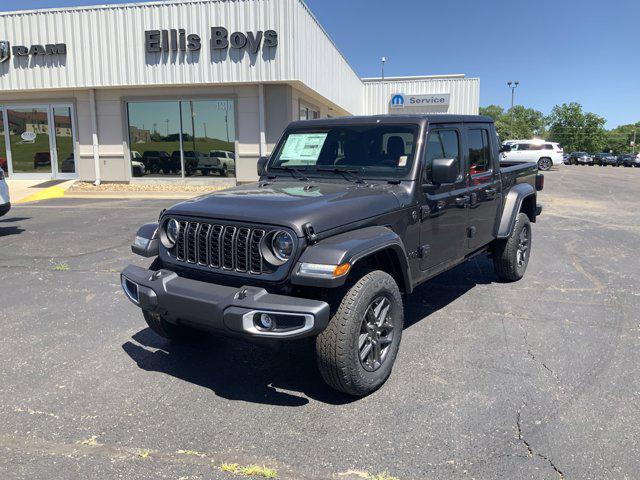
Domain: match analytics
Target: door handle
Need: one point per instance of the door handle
(463, 201)
(491, 192)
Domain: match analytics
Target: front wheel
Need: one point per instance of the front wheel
(511, 256)
(357, 350)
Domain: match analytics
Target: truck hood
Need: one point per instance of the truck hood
(294, 203)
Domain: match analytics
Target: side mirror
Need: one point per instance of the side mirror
(444, 170)
(505, 148)
(262, 165)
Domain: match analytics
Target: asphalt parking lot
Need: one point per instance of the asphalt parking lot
(537, 379)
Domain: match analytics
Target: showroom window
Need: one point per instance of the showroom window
(182, 138)
(308, 113)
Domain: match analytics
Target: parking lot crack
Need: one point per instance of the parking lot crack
(533, 357)
(530, 450)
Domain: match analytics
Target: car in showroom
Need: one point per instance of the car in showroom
(348, 215)
(227, 161)
(580, 158)
(5, 203)
(604, 159)
(544, 154)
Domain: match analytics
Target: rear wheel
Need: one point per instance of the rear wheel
(357, 350)
(511, 256)
(544, 164)
(224, 172)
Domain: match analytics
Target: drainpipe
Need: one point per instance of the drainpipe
(261, 121)
(94, 134)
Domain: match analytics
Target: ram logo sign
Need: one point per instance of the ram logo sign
(5, 51)
(397, 101)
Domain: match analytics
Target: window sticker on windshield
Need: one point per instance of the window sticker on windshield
(303, 147)
(402, 162)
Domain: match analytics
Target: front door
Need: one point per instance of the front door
(41, 141)
(443, 213)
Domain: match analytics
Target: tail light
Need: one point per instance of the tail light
(539, 181)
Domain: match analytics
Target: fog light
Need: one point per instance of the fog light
(265, 322)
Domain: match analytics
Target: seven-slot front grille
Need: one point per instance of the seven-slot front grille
(220, 246)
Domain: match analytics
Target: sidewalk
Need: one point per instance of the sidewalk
(25, 191)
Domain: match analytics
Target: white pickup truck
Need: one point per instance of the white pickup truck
(5, 203)
(227, 161)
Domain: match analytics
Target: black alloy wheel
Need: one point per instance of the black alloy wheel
(376, 334)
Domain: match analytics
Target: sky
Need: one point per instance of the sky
(561, 51)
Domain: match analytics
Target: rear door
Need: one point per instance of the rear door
(443, 212)
(484, 184)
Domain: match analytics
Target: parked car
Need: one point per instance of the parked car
(41, 159)
(137, 168)
(208, 164)
(156, 161)
(227, 160)
(580, 158)
(5, 201)
(604, 159)
(348, 214)
(68, 165)
(630, 160)
(566, 159)
(191, 161)
(545, 154)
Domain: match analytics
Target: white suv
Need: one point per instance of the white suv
(545, 154)
(5, 204)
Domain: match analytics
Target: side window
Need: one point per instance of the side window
(441, 144)
(479, 151)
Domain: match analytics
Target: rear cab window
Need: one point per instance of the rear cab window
(479, 151)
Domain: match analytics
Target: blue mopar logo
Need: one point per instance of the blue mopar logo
(397, 101)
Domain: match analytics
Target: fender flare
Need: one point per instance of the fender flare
(512, 206)
(352, 247)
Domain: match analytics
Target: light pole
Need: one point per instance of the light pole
(513, 86)
(384, 60)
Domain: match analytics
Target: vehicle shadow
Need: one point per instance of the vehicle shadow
(285, 374)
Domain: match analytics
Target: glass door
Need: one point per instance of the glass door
(40, 141)
(63, 136)
(29, 142)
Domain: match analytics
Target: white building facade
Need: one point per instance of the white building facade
(155, 91)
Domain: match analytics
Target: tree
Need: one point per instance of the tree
(577, 130)
(619, 139)
(517, 123)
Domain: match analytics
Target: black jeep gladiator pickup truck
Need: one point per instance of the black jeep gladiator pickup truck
(348, 215)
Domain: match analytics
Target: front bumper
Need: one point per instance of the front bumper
(221, 308)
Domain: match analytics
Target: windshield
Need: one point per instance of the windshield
(374, 151)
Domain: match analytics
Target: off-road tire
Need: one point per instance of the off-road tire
(337, 349)
(224, 172)
(505, 258)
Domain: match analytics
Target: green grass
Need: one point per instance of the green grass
(60, 267)
(22, 154)
(249, 470)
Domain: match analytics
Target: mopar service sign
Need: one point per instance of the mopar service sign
(427, 102)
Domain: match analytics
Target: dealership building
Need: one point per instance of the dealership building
(148, 91)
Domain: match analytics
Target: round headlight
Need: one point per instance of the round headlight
(171, 232)
(282, 245)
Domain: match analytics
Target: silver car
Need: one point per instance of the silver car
(5, 203)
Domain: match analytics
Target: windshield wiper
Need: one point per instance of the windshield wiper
(350, 175)
(296, 173)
